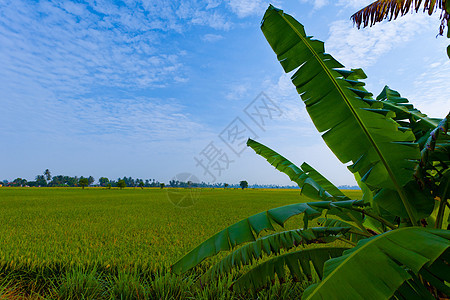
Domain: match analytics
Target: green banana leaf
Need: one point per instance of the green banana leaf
(332, 222)
(377, 267)
(302, 265)
(421, 198)
(313, 184)
(248, 229)
(323, 182)
(383, 154)
(310, 188)
(353, 235)
(413, 290)
(370, 223)
(272, 244)
(393, 101)
(338, 195)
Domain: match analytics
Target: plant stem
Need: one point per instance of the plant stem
(360, 233)
(359, 224)
(378, 218)
(347, 241)
(440, 214)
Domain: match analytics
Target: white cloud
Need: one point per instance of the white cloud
(36, 111)
(354, 4)
(362, 48)
(214, 20)
(135, 118)
(70, 54)
(351, 4)
(245, 8)
(213, 3)
(212, 37)
(284, 93)
(69, 71)
(237, 91)
(317, 4)
(431, 90)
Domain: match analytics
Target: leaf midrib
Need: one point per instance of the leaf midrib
(360, 122)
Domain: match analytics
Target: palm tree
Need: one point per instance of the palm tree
(383, 9)
(48, 175)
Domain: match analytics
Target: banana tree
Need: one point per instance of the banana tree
(397, 236)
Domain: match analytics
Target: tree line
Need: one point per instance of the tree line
(47, 180)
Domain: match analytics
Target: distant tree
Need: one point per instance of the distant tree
(129, 181)
(40, 180)
(32, 183)
(121, 184)
(103, 181)
(57, 181)
(162, 185)
(83, 182)
(243, 184)
(71, 181)
(225, 185)
(47, 174)
(108, 186)
(141, 184)
(19, 182)
(91, 180)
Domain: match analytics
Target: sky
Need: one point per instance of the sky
(155, 89)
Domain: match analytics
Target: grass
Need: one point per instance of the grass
(117, 244)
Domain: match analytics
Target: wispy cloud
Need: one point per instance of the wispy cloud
(317, 4)
(352, 4)
(212, 37)
(237, 91)
(245, 8)
(362, 48)
(144, 119)
(69, 53)
(73, 69)
(431, 89)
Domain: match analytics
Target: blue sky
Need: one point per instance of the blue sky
(149, 88)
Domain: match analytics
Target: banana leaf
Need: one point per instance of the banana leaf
(248, 229)
(333, 222)
(393, 101)
(310, 187)
(323, 182)
(302, 265)
(381, 152)
(377, 267)
(273, 244)
(313, 184)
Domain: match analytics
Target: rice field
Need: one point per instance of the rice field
(54, 241)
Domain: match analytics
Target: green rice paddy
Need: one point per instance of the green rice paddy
(120, 243)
